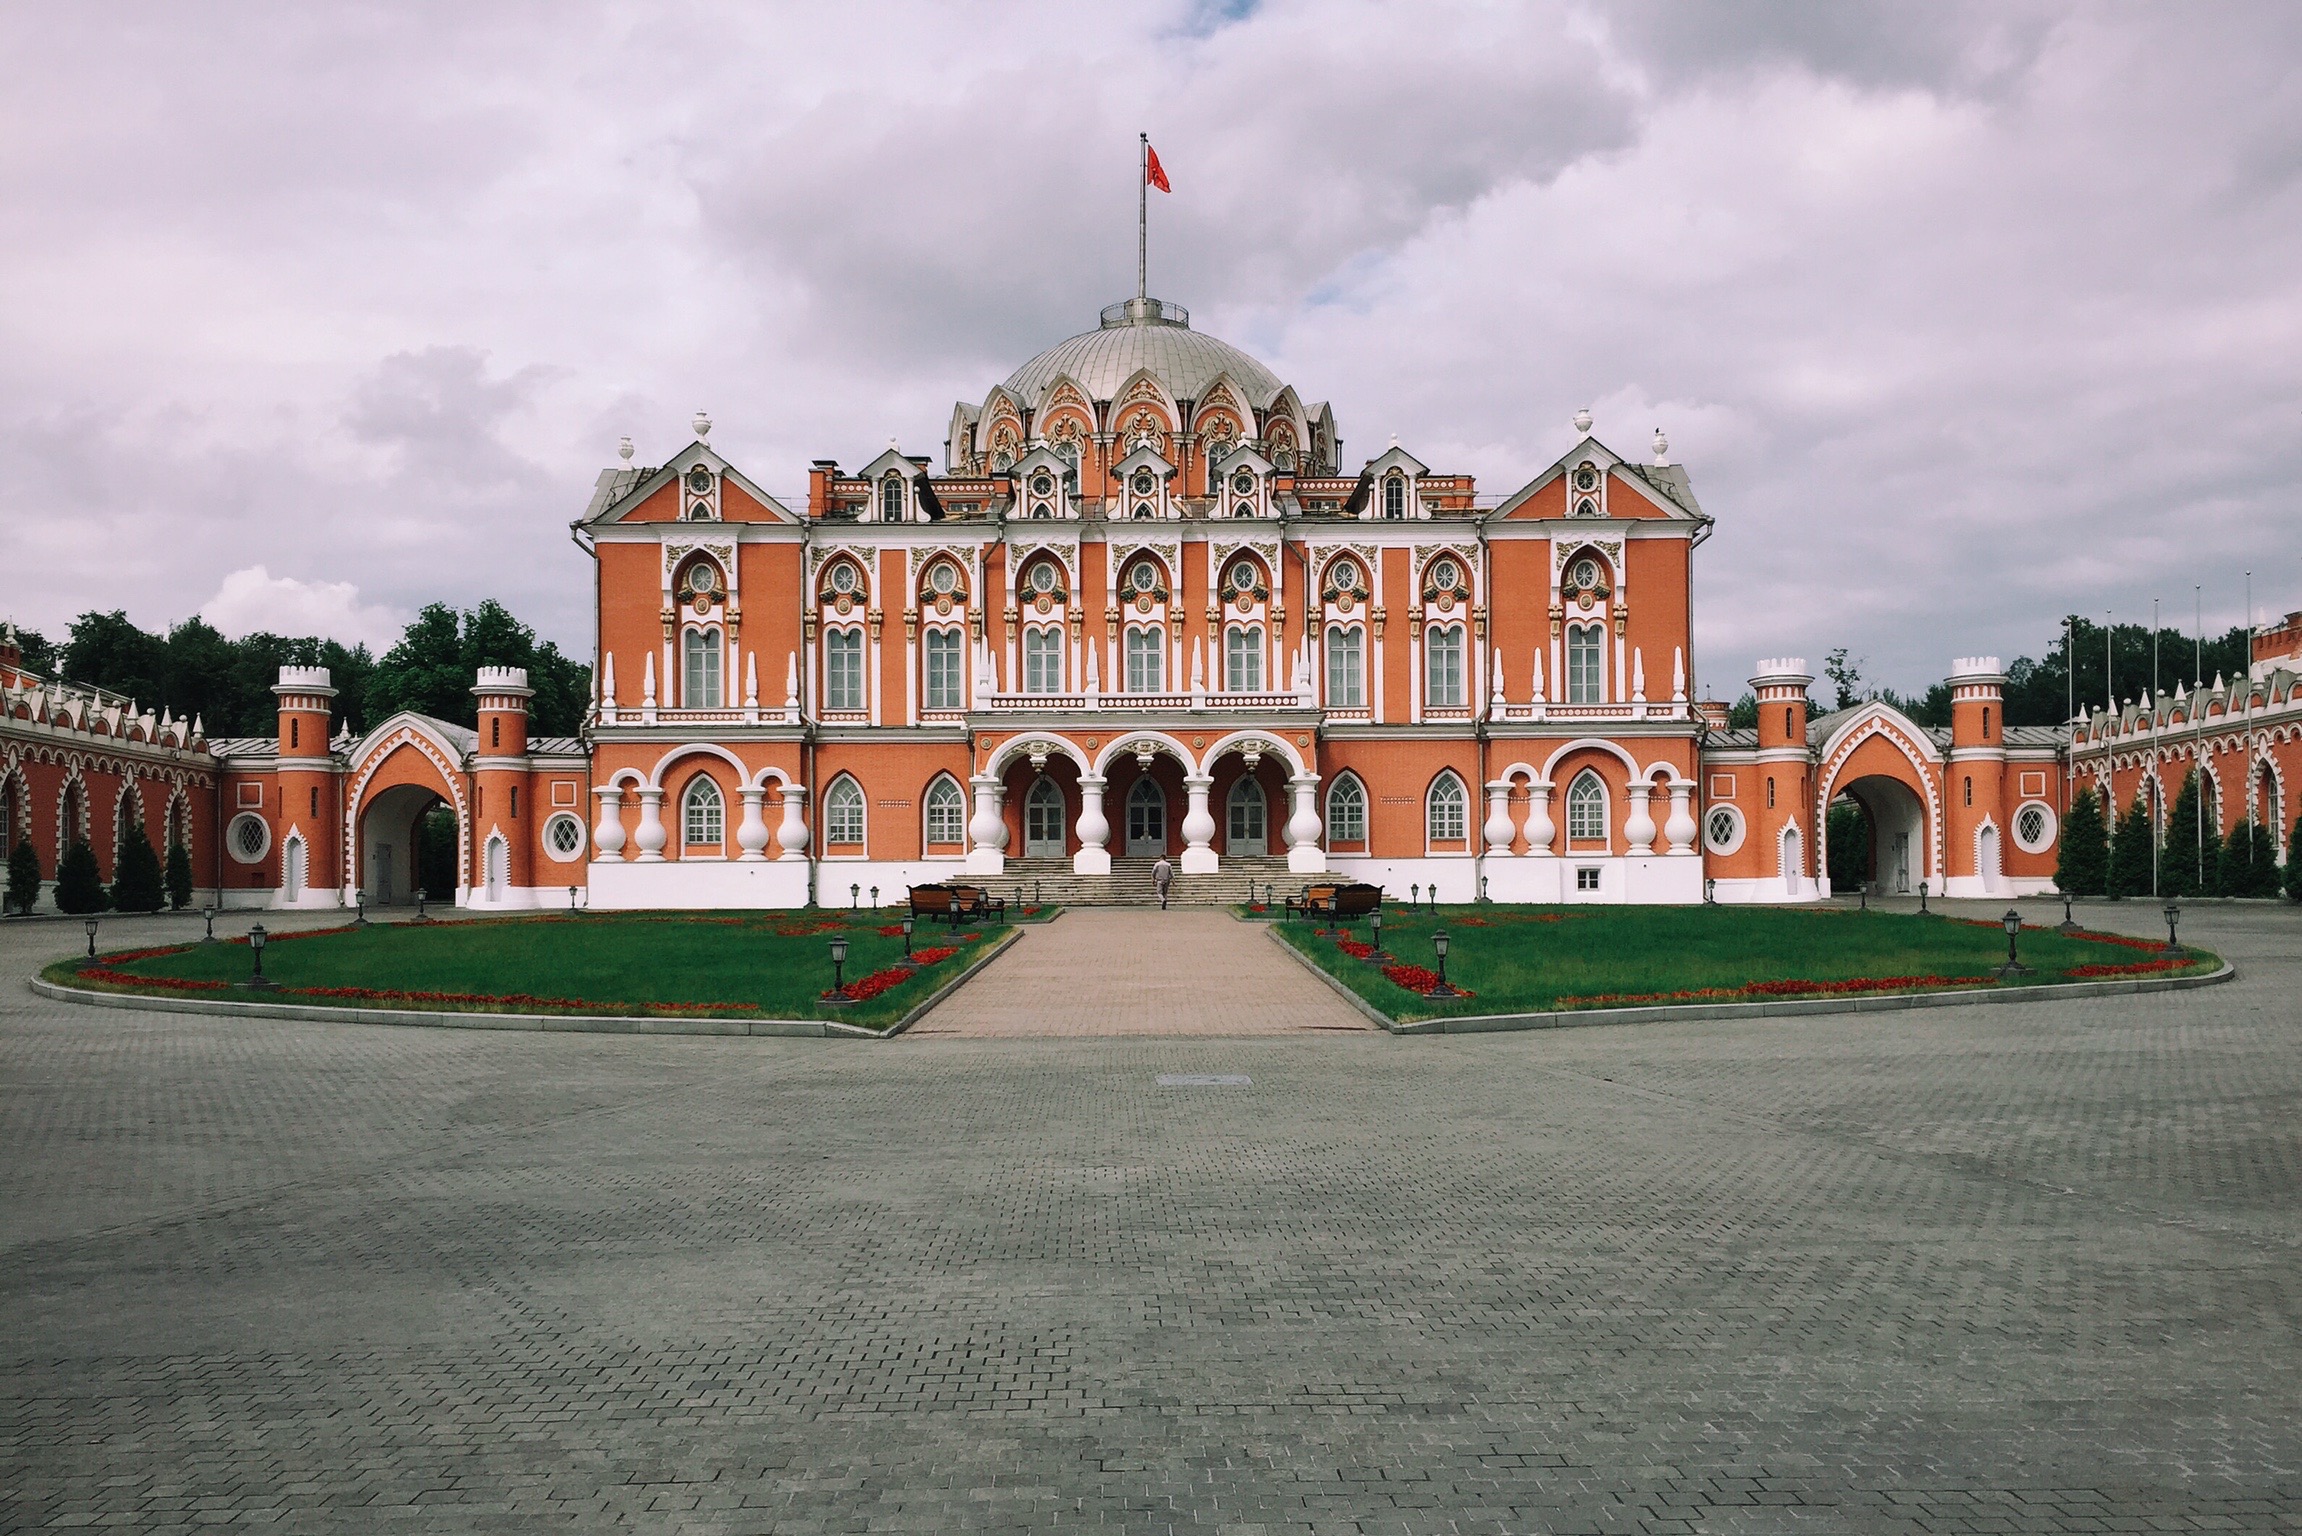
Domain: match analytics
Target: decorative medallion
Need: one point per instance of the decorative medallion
(1044, 603)
(1199, 742)
(1345, 602)
(702, 601)
(1245, 601)
(943, 606)
(1143, 603)
(1446, 602)
(1302, 741)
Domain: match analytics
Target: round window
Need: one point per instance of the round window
(1243, 483)
(1346, 577)
(702, 578)
(843, 578)
(563, 837)
(699, 480)
(1242, 577)
(1145, 484)
(1043, 578)
(1443, 575)
(1042, 484)
(249, 838)
(1586, 573)
(2033, 827)
(1724, 829)
(1587, 478)
(1142, 578)
(944, 578)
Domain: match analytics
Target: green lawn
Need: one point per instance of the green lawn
(1536, 959)
(770, 965)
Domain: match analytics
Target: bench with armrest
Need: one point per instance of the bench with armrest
(956, 904)
(1340, 902)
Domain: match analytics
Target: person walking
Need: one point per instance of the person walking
(1162, 876)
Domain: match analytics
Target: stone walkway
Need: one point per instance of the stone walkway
(1141, 971)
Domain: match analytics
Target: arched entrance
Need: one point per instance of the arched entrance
(1146, 819)
(1896, 832)
(1247, 821)
(407, 841)
(1043, 820)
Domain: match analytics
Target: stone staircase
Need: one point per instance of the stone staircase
(1050, 880)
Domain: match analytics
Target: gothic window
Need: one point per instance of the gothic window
(843, 813)
(703, 816)
(891, 499)
(1347, 811)
(1146, 658)
(1443, 666)
(1346, 667)
(843, 669)
(702, 691)
(1043, 659)
(1587, 808)
(946, 812)
(1445, 810)
(1395, 496)
(1584, 642)
(943, 651)
(1243, 658)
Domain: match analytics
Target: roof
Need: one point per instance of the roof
(1153, 335)
(244, 746)
(555, 746)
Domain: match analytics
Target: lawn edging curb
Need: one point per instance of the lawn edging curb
(1660, 1013)
(541, 1023)
(1013, 935)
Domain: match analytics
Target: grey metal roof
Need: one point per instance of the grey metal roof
(244, 746)
(555, 746)
(1183, 360)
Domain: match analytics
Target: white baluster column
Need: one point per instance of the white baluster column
(1540, 831)
(791, 835)
(751, 837)
(1093, 858)
(1498, 829)
(1304, 855)
(1640, 829)
(651, 831)
(1681, 828)
(987, 830)
(607, 835)
(1198, 827)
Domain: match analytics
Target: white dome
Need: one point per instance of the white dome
(1146, 333)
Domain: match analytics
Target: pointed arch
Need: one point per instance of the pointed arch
(1347, 812)
(1446, 810)
(943, 814)
(1588, 820)
(702, 816)
(845, 819)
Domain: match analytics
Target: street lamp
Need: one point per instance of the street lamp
(2014, 965)
(854, 897)
(1863, 892)
(1376, 956)
(256, 937)
(839, 992)
(1439, 944)
(908, 920)
(420, 906)
(1710, 892)
(571, 901)
(359, 909)
(2069, 923)
(209, 912)
(2173, 916)
(91, 938)
(1414, 896)
(1922, 912)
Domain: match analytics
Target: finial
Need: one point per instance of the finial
(1583, 420)
(892, 445)
(623, 449)
(1662, 447)
(702, 425)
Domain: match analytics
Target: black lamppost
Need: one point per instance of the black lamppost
(359, 909)
(1376, 956)
(1414, 897)
(209, 912)
(1439, 943)
(1863, 891)
(854, 897)
(908, 920)
(571, 901)
(1922, 912)
(1710, 892)
(2014, 965)
(256, 937)
(1036, 901)
(91, 938)
(875, 898)
(839, 992)
(420, 906)
(2173, 916)
(2069, 923)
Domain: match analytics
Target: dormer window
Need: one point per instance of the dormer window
(891, 499)
(1395, 496)
(1244, 482)
(1145, 482)
(1587, 477)
(699, 480)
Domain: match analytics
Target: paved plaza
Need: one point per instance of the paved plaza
(2030, 1268)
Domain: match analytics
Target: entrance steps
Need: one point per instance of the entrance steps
(1051, 881)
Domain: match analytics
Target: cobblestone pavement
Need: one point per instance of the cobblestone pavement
(1141, 971)
(1992, 1269)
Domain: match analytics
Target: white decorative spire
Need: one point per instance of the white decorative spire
(1583, 421)
(1638, 676)
(1538, 693)
(647, 683)
(607, 681)
(1094, 669)
(791, 681)
(702, 425)
(1678, 674)
(1662, 447)
(1498, 695)
(1198, 664)
(751, 680)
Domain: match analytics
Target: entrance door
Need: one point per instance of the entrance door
(1146, 820)
(1043, 820)
(498, 859)
(295, 870)
(382, 879)
(1986, 857)
(1901, 864)
(1247, 821)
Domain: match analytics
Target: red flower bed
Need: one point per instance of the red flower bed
(145, 954)
(1416, 978)
(935, 956)
(126, 979)
(877, 982)
(1355, 948)
(1854, 987)
(2139, 968)
(891, 930)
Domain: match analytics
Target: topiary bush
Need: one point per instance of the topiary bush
(79, 888)
(136, 882)
(23, 876)
(179, 875)
(2130, 854)
(2083, 863)
(2294, 862)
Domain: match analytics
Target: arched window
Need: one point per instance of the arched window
(1243, 658)
(843, 813)
(1444, 818)
(1583, 648)
(843, 669)
(1246, 832)
(702, 669)
(891, 499)
(946, 812)
(1443, 666)
(1346, 667)
(943, 673)
(1043, 659)
(1788, 727)
(1146, 660)
(703, 816)
(1395, 496)
(1347, 810)
(1587, 808)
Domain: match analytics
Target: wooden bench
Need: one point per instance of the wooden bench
(956, 904)
(1341, 902)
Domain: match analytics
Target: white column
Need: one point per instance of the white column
(988, 828)
(1198, 827)
(1540, 831)
(791, 836)
(751, 837)
(1304, 855)
(651, 832)
(1093, 858)
(1498, 829)
(1681, 828)
(607, 834)
(1640, 829)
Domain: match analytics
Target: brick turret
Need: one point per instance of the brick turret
(505, 807)
(1976, 779)
(1785, 774)
(306, 827)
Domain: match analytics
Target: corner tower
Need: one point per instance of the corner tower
(503, 852)
(308, 828)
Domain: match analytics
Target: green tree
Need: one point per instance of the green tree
(136, 881)
(37, 651)
(431, 669)
(2083, 865)
(2264, 865)
(179, 874)
(107, 650)
(2130, 854)
(79, 888)
(24, 876)
(1845, 676)
(1847, 831)
(1742, 715)
(2294, 862)
(2182, 863)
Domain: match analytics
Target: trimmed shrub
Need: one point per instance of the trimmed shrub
(2130, 854)
(23, 876)
(179, 876)
(136, 885)
(2263, 872)
(2184, 861)
(2082, 866)
(79, 888)
(2294, 862)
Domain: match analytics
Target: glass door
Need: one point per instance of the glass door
(1146, 821)
(1043, 821)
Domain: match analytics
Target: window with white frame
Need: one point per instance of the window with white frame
(891, 499)
(564, 837)
(1585, 643)
(1395, 496)
(843, 813)
(843, 669)
(946, 812)
(1723, 829)
(1587, 808)
(1347, 810)
(1446, 818)
(1443, 666)
(2034, 827)
(1346, 667)
(702, 690)
(1043, 659)
(1243, 658)
(703, 816)
(943, 652)
(1146, 660)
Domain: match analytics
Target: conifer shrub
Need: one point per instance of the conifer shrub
(136, 880)
(179, 874)
(79, 888)
(2130, 854)
(23, 876)
(2083, 864)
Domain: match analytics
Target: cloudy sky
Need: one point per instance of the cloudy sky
(1959, 316)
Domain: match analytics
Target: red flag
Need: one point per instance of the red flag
(1152, 170)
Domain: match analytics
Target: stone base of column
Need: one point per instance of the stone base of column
(1091, 861)
(1199, 861)
(1307, 859)
(986, 861)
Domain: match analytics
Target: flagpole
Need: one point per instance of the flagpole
(1142, 217)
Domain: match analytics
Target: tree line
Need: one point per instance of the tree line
(2187, 857)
